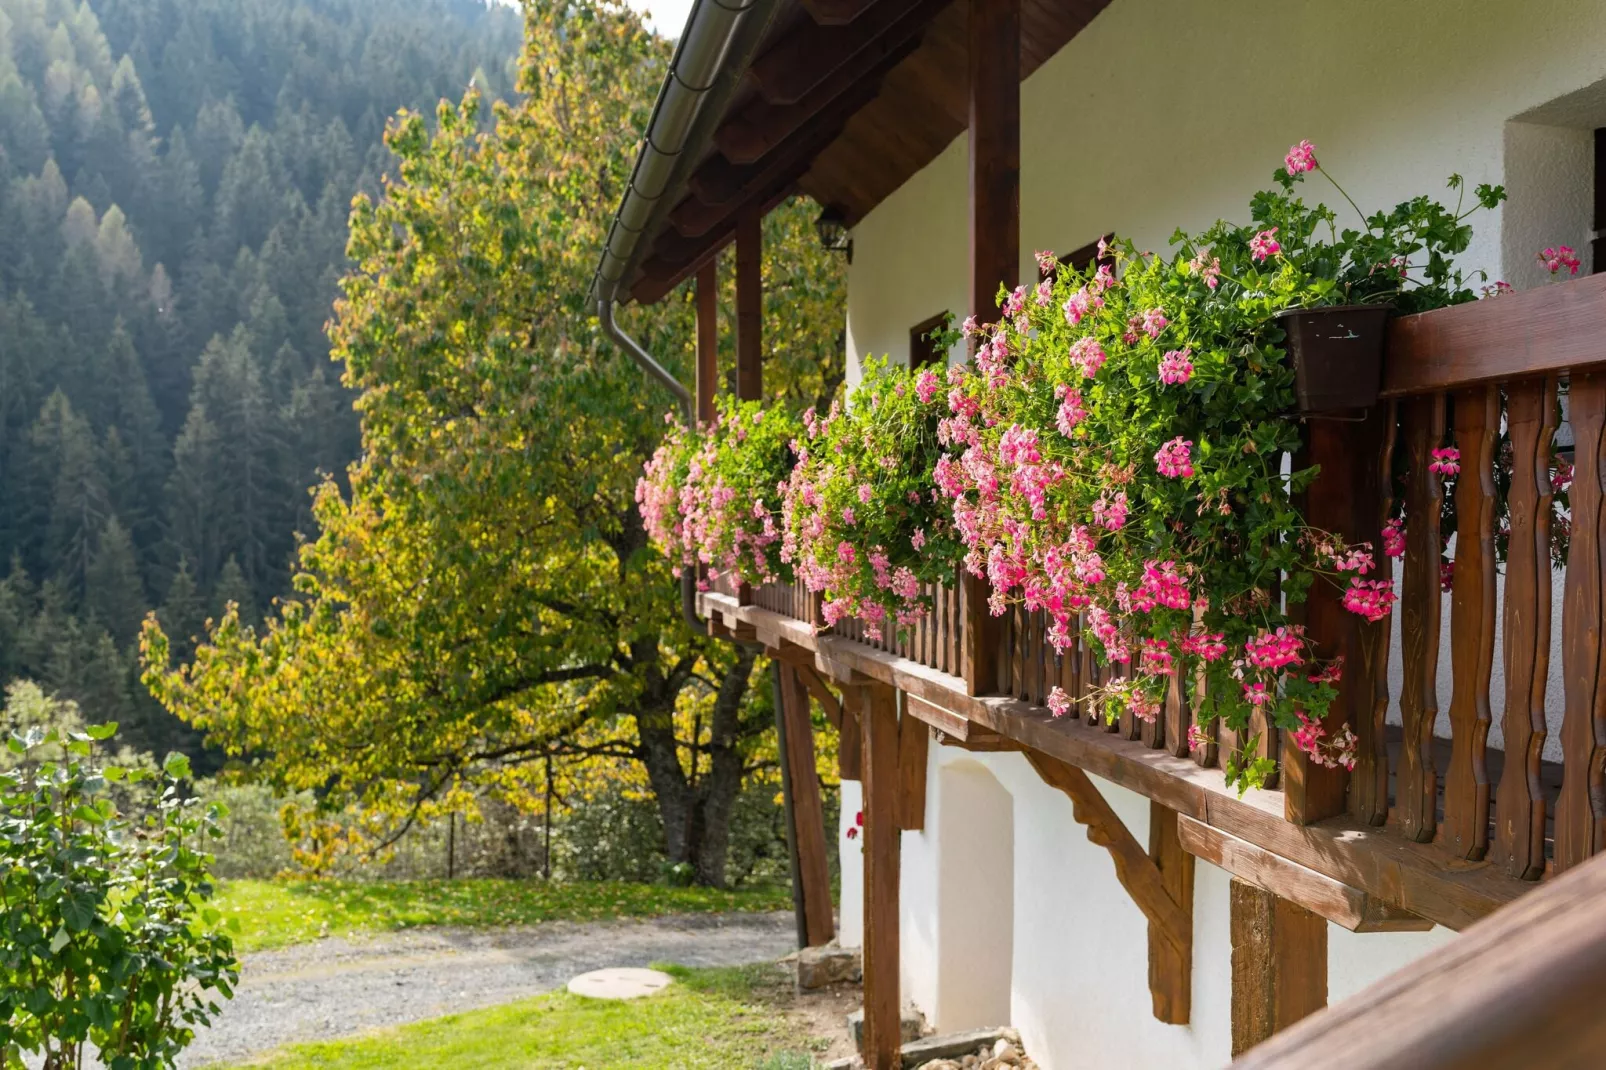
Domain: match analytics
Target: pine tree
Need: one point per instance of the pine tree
(66, 459)
(182, 613)
(233, 589)
(114, 595)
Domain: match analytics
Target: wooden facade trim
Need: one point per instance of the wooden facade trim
(882, 1002)
(1279, 964)
(1339, 903)
(1379, 861)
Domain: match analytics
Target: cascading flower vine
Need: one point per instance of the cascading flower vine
(863, 519)
(714, 498)
(1114, 460)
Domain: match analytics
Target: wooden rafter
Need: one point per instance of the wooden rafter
(806, 56)
(836, 12)
(1134, 868)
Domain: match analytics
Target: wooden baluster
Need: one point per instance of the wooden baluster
(1177, 716)
(1472, 606)
(1579, 824)
(1207, 754)
(1519, 809)
(1369, 780)
(1420, 595)
(1039, 659)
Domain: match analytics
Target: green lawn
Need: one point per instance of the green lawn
(276, 913)
(722, 1019)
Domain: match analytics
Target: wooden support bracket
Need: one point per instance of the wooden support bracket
(1137, 872)
(1279, 964)
(808, 811)
(914, 740)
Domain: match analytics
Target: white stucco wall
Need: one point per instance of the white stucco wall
(1053, 941)
(1168, 113)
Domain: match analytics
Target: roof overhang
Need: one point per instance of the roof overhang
(842, 100)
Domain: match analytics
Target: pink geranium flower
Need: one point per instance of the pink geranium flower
(1263, 245)
(1394, 538)
(1446, 462)
(1176, 367)
(1300, 158)
(1562, 256)
(1059, 703)
(1175, 458)
(1372, 599)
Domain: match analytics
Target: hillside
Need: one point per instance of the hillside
(175, 177)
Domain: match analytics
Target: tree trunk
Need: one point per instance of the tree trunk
(697, 817)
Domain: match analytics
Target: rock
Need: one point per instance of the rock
(927, 1050)
(942, 1064)
(847, 1062)
(1005, 1053)
(828, 965)
(911, 1029)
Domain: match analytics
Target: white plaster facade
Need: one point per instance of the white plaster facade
(1168, 113)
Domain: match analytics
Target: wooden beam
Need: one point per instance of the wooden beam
(1136, 871)
(1170, 968)
(1340, 903)
(993, 64)
(913, 743)
(1382, 861)
(802, 660)
(1279, 964)
(750, 306)
(707, 340)
(882, 1004)
(760, 127)
(718, 185)
(1520, 991)
(952, 730)
(1547, 329)
(836, 12)
(1343, 500)
(850, 740)
(808, 814)
(806, 56)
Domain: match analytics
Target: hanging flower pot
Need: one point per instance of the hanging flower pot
(1337, 353)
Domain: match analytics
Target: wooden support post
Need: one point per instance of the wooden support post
(994, 67)
(850, 743)
(1343, 500)
(749, 324)
(808, 814)
(1170, 967)
(707, 340)
(1279, 964)
(749, 305)
(914, 738)
(882, 1016)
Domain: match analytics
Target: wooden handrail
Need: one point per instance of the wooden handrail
(1548, 329)
(1520, 989)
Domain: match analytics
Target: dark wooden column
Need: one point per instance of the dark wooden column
(994, 68)
(749, 305)
(1346, 500)
(707, 340)
(808, 814)
(1279, 964)
(882, 1016)
(1170, 965)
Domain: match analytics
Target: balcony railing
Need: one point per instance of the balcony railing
(1475, 372)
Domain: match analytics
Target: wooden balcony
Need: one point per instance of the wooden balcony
(1428, 829)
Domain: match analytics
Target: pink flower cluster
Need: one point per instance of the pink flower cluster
(1394, 538)
(1311, 738)
(1300, 158)
(1446, 461)
(1264, 244)
(1372, 599)
(1176, 367)
(1558, 257)
(1175, 458)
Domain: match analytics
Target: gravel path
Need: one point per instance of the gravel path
(341, 986)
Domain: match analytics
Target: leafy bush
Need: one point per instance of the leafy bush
(105, 936)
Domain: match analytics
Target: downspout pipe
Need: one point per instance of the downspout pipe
(713, 52)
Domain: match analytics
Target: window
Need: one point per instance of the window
(923, 348)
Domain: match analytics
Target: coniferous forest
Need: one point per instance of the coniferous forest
(175, 178)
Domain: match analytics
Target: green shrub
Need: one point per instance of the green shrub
(106, 939)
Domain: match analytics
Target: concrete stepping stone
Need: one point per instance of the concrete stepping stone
(619, 982)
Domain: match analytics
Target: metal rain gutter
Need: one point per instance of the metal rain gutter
(702, 71)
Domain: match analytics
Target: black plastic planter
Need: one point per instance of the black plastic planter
(1338, 355)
